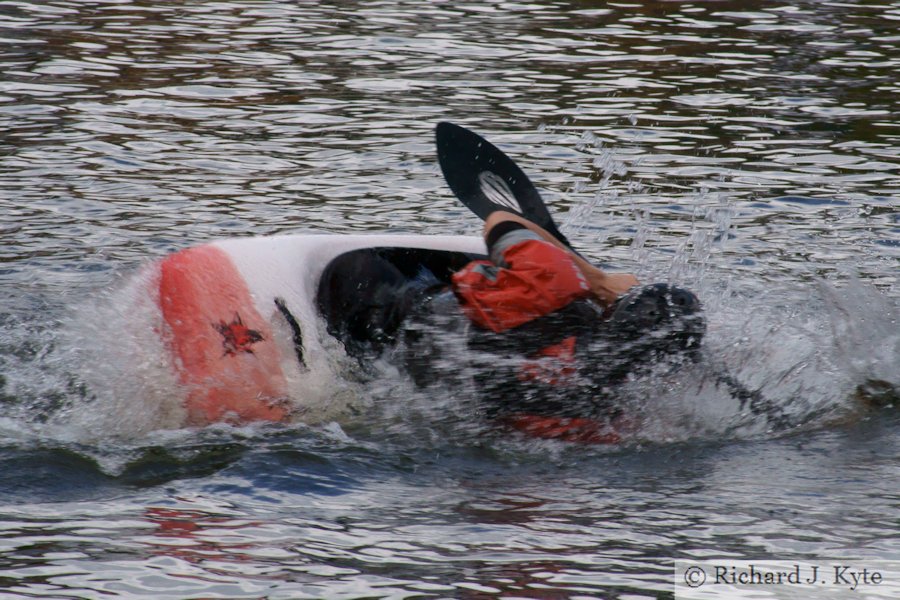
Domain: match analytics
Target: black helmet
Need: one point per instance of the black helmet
(657, 317)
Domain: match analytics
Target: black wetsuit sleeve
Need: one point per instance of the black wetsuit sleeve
(505, 235)
(498, 231)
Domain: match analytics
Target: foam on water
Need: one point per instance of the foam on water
(813, 352)
(788, 353)
(97, 372)
(114, 345)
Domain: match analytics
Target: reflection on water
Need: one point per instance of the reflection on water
(746, 149)
(468, 526)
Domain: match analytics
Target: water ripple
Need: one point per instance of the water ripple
(748, 149)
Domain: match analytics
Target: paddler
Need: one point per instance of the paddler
(560, 330)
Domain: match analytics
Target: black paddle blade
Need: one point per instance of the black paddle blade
(486, 180)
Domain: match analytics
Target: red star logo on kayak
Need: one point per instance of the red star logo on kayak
(237, 337)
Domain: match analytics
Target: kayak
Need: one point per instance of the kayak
(240, 321)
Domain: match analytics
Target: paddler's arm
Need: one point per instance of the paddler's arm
(607, 287)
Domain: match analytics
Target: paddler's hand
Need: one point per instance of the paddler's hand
(607, 287)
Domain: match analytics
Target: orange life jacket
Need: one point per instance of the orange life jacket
(529, 278)
(533, 279)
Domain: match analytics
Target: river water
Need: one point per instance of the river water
(749, 150)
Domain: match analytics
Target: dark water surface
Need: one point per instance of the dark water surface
(749, 150)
